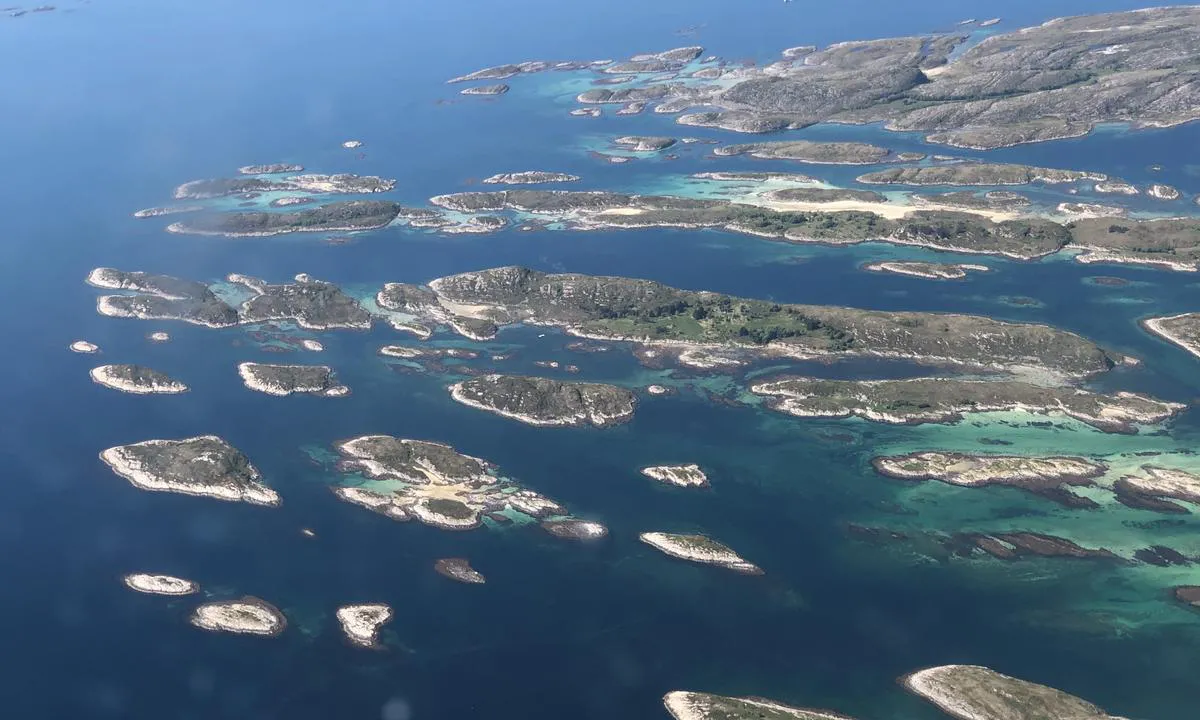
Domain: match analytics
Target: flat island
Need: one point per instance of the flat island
(498, 89)
(344, 216)
(821, 218)
(614, 308)
(677, 475)
(1048, 477)
(944, 400)
(705, 706)
(1154, 488)
(929, 270)
(543, 401)
(700, 549)
(270, 169)
(361, 623)
(152, 584)
(972, 692)
(809, 151)
(975, 174)
(288, 379)
(136, 379)
(1056, 80)
(644, 143)
(459, 569)
(432, 483)
(246, 616)
(335, 184)
(529, 177)
(204, 465)
(1182, 330)
(84, 347)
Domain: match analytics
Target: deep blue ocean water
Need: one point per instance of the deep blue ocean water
(110, 104)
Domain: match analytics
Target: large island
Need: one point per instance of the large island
(615, 308)
(544, 401)
(924, 400)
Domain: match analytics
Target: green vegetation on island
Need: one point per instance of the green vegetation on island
(545, 401)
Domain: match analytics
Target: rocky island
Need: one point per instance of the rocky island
(1155, 488)
(852, 198)
(1172, 243)
(203, 465)
(763, 216)
(289, 379)
(136, 379)
(974, 173)
(459, 569)
(529, 177)
(498, 89)
(946, 400)
(809, 151)
(1163, 192)
(972, 692)
(1002, 201)
(160, 297)
(432, 483)
(152, 584)
(310, 303)
(1048, 477)
(929, 270)
(643, 143)
(344, 183)
(1182, 330)
(361, 623)
(700, 549)
(271, 169)
(543, 401)
(613, 308)
(705, 706)
(677, 475)
(1055, 80)
(572, 529)
(84, 347)
(344, 216)
(246, 616)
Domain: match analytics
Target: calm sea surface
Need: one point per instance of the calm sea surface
(110, 104)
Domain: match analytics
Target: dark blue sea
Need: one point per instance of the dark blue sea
(109, 104)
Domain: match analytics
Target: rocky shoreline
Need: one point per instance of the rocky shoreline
(246, 616)
(699, 549)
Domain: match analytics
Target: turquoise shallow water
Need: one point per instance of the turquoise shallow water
(120, 102)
